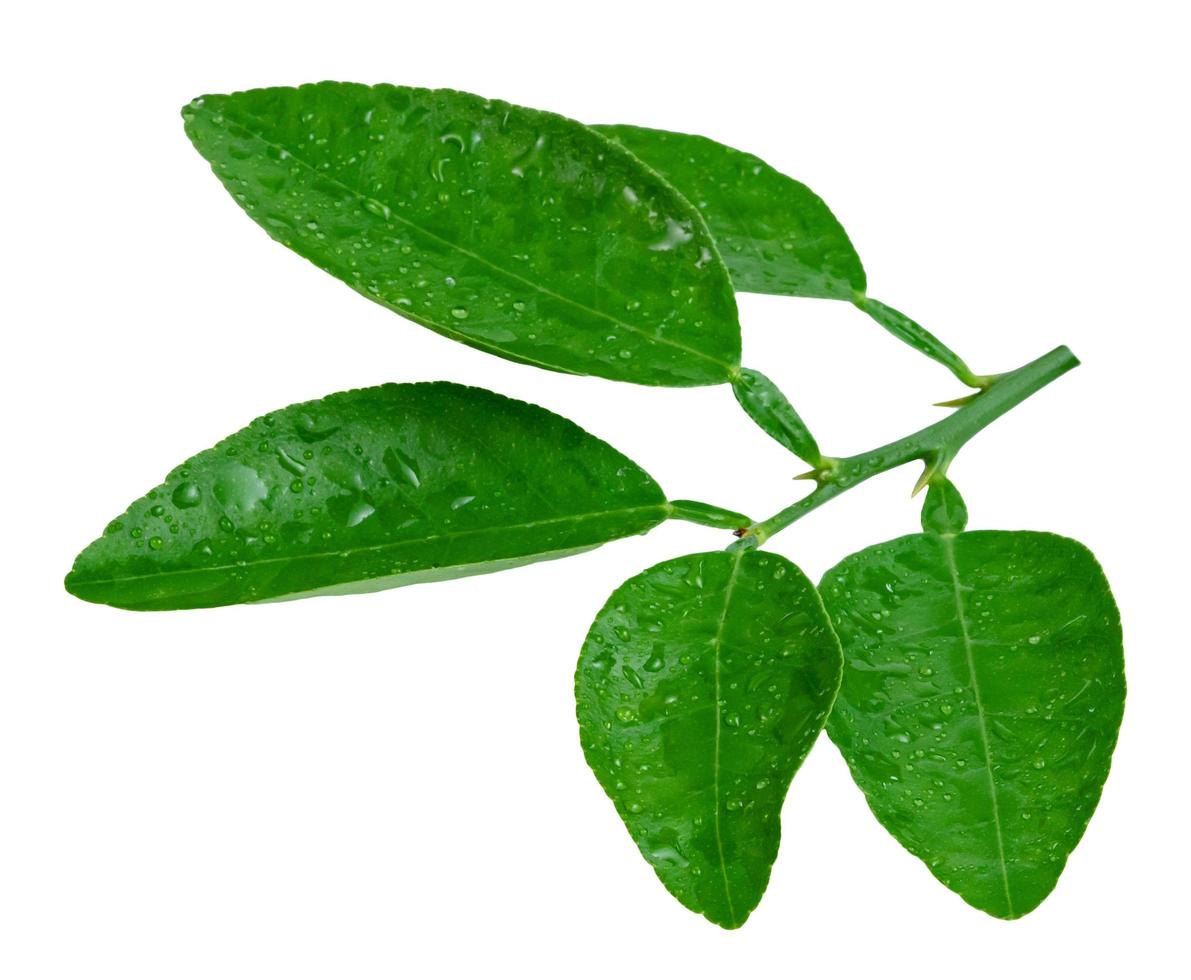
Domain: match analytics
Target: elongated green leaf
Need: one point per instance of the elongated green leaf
(765, 404)
(367, 490)
(775, 234)
(516, 231)
(701, 687)
(983, 689)
(915, 335)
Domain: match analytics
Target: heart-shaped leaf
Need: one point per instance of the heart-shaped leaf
(702, 685)
(516, 231)
(367, 490)
(775, 234)
(983, 689)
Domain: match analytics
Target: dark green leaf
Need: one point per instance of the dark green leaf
(701, 687)
(367, 490)
(775, 234)
(519, 232)
(983, 689)
(772, 411)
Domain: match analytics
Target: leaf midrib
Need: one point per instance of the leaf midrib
(948, 543)
(464, 337)
(719, 636)
(426, 539)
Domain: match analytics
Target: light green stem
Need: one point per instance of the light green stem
(936, 445)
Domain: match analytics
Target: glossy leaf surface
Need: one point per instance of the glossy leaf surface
(944, 510)
(765, 404)
(775, 234)
(708, 515)
(915, 335)
(701, 687)
(366, 490)
(516, 231)
(983, 689)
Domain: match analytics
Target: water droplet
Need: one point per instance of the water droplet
(529, 159)
(461, 502)
(239, 487)
(401, 467)
(155, 543)
(626, 715)
(359, 512)
(459, 313)
(294, 466)
(186, 495)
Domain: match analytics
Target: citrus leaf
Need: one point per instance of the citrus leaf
(701, 687)
(775, 234)
(367, 490)
(983, 689)
(765, 404)
(915, 335)
(515, 231)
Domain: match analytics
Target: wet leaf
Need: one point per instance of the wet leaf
(515, 231)
(367, 490)
(775, 234)
(701, 687)
(944, 511)
(983, 689)
(771, 410)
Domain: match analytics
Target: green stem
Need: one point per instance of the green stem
(936, 445)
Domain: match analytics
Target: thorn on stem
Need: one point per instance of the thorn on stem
(961, 401)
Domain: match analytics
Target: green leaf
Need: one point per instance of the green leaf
(702, 685)
(765, 404)
(983, 689)
(775, 234)
(922, 340)
(367, 490)
(515, 231)
(944, 511)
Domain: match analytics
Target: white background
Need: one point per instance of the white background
(391, 785)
